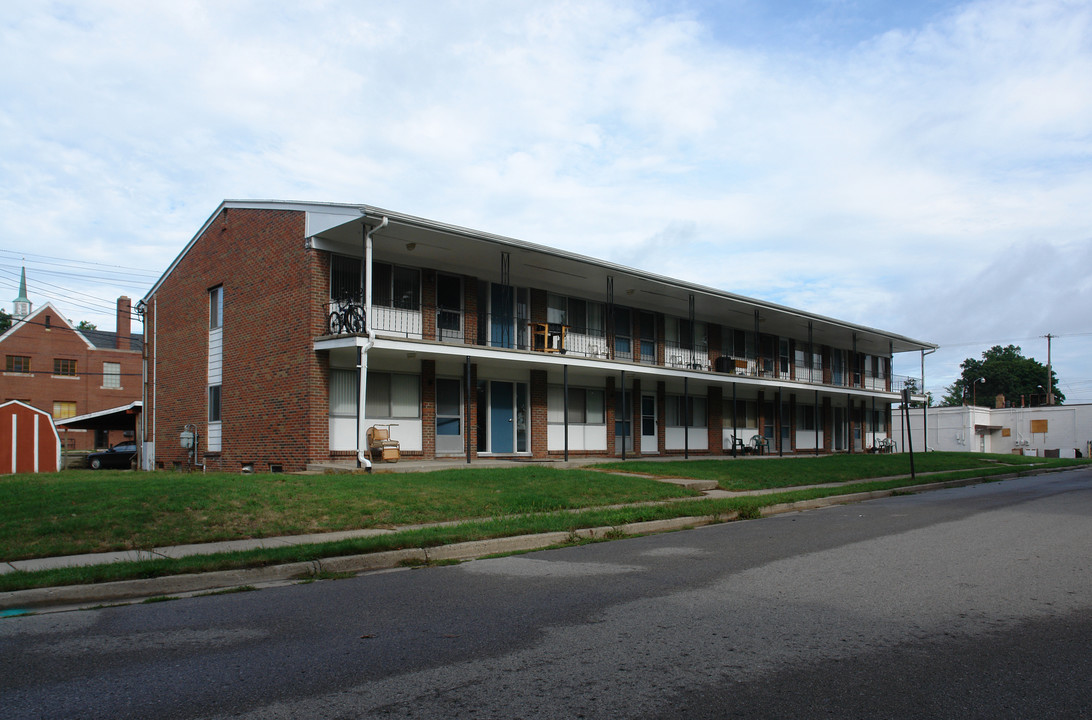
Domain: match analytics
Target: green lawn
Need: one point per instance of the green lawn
(83, 511)
(761, 473)
(80, 511)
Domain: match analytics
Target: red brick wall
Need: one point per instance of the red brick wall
(716, 342)
(715, 407)
(661, 416)
(539, 415)
(470, 310)
(274, 399)
(428, 304)
(428, 407)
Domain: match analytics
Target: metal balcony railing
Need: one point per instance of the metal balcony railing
(504, 330)
(692, 358)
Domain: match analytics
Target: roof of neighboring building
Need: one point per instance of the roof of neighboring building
(106, 340)
(95, 339)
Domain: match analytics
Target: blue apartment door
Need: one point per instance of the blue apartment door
(501, 417)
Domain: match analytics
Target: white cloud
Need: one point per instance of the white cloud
(909, 171)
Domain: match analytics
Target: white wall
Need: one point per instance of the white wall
(592, 438)
(1069, 429)
(698, 438)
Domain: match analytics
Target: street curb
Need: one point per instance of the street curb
(83, 596)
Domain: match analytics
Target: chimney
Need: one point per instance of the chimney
(125, 307)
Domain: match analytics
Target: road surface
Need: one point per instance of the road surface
(961, 603)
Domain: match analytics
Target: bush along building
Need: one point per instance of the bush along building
(262, 336)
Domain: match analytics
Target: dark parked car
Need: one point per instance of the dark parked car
(119, 456)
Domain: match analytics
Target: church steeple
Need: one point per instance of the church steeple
(21, 305)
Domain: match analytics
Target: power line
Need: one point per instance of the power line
(118, 277)
(84, 262)
(35, 282)
(991, 343)
(93, 303)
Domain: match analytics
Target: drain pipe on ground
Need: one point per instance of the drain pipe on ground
(362, 459)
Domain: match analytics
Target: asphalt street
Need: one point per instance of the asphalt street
(960, 603)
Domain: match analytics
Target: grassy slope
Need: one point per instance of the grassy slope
(82, 511)
(755, 474)
(540, 491)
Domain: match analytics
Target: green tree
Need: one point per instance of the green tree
(5, 321)
(912, 386)
(85, 325)
(1002, 370)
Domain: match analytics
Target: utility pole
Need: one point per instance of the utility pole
(1050, 375)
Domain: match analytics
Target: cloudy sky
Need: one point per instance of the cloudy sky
(920, 167)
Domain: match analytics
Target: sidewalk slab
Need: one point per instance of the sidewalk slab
(51, 563)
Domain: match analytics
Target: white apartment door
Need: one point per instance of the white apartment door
(450, 439)
(649, 438)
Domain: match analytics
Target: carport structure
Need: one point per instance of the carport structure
(123, 417)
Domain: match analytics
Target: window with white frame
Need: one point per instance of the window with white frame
(681, 334)
(214, 403)
(344, 394)
(216, 307)
(64, 367)
(393, 395)
(64, 409)
(690, 411)
(586, 406)
(738, 343)
(396, 287)
(111, 375)
(805, 417)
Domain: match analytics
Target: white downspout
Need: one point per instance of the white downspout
(366, 280)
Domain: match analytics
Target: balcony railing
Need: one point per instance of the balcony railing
(503, 330)
(692, 358)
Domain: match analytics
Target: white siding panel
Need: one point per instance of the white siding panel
(342, 433)
(590, 438)
(213, 441)
(675, 440)
(805, 439)
(216, 356)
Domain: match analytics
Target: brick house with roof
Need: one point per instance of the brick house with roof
(52, 366)
(284, 330)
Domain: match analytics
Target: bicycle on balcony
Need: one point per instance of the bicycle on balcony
(346, 317)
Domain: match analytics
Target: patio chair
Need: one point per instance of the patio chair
(380, 444)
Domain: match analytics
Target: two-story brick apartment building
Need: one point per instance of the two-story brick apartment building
(50, 365)
(479, 345)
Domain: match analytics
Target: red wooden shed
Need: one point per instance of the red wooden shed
(29, 442)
